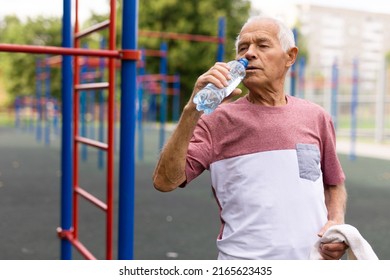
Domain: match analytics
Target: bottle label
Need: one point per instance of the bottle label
(234, 83)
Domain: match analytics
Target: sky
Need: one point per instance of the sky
(24, 8)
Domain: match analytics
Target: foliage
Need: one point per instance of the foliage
(188, 58)
(19, 69)
(301, 43)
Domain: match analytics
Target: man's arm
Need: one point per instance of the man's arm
(170, 170)
(336, 201)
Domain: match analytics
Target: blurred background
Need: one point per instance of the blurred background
(343, 65)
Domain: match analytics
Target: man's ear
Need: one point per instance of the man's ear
(292, 56)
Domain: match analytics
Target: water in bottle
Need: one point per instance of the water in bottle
(208, 98)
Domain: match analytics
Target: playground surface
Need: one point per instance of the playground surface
(178, 225)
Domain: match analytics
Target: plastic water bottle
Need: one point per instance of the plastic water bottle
(208, 98)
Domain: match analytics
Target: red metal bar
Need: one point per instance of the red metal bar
(92, 86)
(157, 90)
(82, 249)
(90, 142)
(91, 198)
(111, 132)
(157, 77)
(180, 36)
(61, 50)
(130, 55)
(92, 29)
(69, 235)
(155, 53)
(76, 111)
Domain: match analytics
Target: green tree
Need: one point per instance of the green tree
(19, 69)
(188, 58)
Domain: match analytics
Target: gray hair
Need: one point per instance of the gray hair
(285, 34)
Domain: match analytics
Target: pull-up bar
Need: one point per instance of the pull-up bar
(181, 36)
(119, 54)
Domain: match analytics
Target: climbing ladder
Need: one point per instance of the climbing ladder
(108, 147)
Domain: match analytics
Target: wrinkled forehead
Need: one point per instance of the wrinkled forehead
(260, 26)
(264, 28)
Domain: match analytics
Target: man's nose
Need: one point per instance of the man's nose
(251, 53)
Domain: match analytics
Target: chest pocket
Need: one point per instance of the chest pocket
(308, 161)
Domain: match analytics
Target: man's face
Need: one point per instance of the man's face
(268, 63)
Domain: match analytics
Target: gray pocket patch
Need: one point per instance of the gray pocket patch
(308, 161)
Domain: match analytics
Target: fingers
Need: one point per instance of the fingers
(217, 75)
(333, 251)
(325, 228)
(236, 92)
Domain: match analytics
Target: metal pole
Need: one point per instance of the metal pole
(163, 94)
(66, 146)
(127, 134)
(176, 99)
(293, 70)
(38, 135)
(335, 88)
(101, 107)
(140, 92)
(47, 100)
(380, 104)
(301, 77)
(221, 38)
(354, 105)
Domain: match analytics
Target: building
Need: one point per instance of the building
(342, 35)
(346, 36)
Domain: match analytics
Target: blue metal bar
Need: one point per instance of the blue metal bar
(83, 114)
(91, 103)
(140, 130)
(38, 135)
(221, 37)
(354, 105)
(301, 77)
(334, 93)
(66, 146)
(293, 70)
(47, 100)
(17, 111)
(163, 94)
(127, 133)
(176, 99)
(101, 154)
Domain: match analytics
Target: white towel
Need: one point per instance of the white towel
(359, 249)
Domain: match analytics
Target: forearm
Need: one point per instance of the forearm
(336, 201)
(170, 170)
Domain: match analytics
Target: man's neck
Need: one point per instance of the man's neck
(273, 99)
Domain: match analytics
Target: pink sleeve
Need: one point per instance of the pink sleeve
(331, 168)
(199, 151)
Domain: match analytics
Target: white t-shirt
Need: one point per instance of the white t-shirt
(268, 166)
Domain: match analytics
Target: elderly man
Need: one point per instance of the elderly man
(274, 168)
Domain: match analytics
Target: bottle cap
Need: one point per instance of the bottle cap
(244, 62)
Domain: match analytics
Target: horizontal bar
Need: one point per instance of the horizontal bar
(92, 29)
(180, 36)
(158, 77)
(68, 235)
(82, 249)
(155, 53)
(94, 200)
(157, 91)
(90, 142)
(91, 86)
(59, 50)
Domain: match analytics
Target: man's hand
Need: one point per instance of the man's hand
(331, 251)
